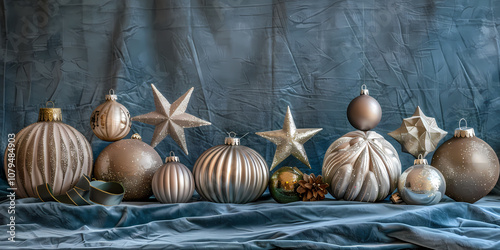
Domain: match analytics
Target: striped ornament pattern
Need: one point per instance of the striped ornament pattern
(361, 166)
(110, 121)
(50, 152)
(173, 183)
(231, 174)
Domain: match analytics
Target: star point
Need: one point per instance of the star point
(289, 140)
(170, 119)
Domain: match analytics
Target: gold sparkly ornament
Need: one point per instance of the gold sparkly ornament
(289, 140)
(230, 173)
(110, 121)
(173, 182)
(418, 134)
(48, 151)
(469, 165)
(170, 119)
(130, 162)
(364, 112)
(361, 166)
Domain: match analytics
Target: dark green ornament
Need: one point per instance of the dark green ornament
(283, 184)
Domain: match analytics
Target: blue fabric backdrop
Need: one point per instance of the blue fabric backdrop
(248, 61)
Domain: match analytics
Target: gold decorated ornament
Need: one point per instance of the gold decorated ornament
(110, 121)
(418, 134)
(48, 152)
(289, 140)
(170, 119)
(130, 162)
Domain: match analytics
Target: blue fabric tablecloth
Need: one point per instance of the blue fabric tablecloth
(263, 224)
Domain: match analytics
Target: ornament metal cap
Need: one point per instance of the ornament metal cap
(233, 141)
(464, 132)
(50, 114)
(136, 136)
(111, 96)
(172, 158)
(420, 161)
(364, 90)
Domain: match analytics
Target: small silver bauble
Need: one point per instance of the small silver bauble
(421, 184)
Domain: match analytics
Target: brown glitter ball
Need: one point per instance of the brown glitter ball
(312, 188)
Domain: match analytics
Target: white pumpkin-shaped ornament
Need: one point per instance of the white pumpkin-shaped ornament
(231, 173)
(173, 182)
(51, 152)
(110, 121)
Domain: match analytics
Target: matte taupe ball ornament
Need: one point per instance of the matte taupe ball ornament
(173, 182)
(110, 121)
(231, 173)
(421, 184)
(364, 112)
(130, 162)
(48, 151)
(361, 166)
(469, 165)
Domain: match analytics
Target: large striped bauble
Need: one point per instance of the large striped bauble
(110, 121)
(173, 182)
(51, 152)
(361, 166)
(231, 173)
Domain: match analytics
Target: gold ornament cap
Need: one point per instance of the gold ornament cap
(231, 140)
(420, 160)
(364, 90)
(50, 114)
(172, 158)
(111, 96)
(464, 132)
(136, 136)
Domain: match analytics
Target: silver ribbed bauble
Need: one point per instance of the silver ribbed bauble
(110, 121)
(231, 173)
(173, 182)
(361, 166)
(421, 184)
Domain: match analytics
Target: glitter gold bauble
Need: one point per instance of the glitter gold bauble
(230, 173)
(110, 121)
(361, 166)
(364, 112)
(48, 151)
(421, 184)
(130, 162)
(469, 165)
(173, 182)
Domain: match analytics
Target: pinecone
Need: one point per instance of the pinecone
(312, 188)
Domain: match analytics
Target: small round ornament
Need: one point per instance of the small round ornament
(110, 121)
(421, 184)
(364, 112)
(130, 162)
(173, 182)
(230, 173)
(469, 165)
(48, 151)
(283, 184)
(361, 166)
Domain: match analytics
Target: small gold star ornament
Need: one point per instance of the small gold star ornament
(170, 119)
(289, 140)
(418, 134)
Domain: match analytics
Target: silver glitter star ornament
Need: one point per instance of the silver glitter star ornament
(170, 119)
(418, 134)
(289, 140)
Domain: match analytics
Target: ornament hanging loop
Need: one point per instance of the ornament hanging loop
(111, 91)
(172, 153)
(53, 104)
(364, 90)
(232, 134)
(420, 160)
(460, 122)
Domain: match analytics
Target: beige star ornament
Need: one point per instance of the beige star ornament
(170, 119)
(418, 134)
(289, 140)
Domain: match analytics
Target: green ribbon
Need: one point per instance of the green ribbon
(85, 192)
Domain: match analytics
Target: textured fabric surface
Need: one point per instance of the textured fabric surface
(249, 60)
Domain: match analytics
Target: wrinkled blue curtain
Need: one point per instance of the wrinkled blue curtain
(248, 61)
